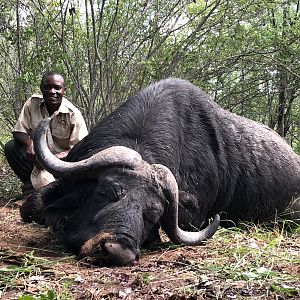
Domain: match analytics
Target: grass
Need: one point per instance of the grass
(256, 259)
(29, 271)
(9, 183)
(256, 255)
(49, 295)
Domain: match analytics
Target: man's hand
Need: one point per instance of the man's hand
(24, 138)
(62, 155)
(30, 150)
(31, 154)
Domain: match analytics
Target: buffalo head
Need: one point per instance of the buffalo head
(111, 203)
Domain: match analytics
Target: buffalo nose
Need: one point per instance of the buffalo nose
(102, 250)
(116, 254)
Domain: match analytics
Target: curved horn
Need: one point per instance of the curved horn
(177, 235)
(117, 155)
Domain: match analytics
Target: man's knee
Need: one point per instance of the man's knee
(16, 157)
(8, 147)
(15, 153)
(13, 148)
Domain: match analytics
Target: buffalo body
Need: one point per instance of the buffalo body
(222, 163)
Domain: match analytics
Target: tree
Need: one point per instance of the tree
(243, 53)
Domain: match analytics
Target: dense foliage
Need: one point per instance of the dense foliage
(244, 53)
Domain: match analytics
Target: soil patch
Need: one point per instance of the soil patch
(44, 267)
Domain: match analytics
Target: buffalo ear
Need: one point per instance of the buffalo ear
(153, 236)
(188, 205)
(32, 208)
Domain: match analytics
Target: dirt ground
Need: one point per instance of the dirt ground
(166, 272)
(168, 268)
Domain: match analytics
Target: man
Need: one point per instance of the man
(67, 128)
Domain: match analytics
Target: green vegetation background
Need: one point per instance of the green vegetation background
(244, 54)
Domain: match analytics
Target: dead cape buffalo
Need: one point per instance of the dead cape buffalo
(169, 157)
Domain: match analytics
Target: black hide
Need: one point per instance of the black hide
(222, 163)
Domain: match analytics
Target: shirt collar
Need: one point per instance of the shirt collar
(63, 108)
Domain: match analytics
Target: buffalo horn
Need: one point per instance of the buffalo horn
(117, 155)
(170, 219)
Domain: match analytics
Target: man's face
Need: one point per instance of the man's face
(53, 88)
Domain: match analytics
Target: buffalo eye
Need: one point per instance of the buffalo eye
(152, 215)
(110, 193)
(120, 192)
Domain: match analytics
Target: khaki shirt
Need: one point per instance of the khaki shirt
(67, 126)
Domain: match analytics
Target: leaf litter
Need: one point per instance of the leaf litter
(234, 264)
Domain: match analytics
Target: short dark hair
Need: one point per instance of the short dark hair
(50, 73)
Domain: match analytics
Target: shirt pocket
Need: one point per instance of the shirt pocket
(61, 129)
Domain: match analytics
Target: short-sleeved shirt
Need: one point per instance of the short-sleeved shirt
(67, 126)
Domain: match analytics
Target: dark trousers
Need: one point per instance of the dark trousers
(16, 156)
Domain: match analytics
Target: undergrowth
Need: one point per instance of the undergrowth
(9, 183)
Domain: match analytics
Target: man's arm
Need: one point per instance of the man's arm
(24, 139)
